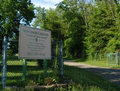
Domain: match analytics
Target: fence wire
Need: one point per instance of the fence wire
(14, 65)
(56, 65)
(0, 60)
(34, 70)
(110, 58)
(113, 58)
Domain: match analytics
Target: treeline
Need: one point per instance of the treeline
(87, 28)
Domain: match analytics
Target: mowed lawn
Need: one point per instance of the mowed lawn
(87, 81)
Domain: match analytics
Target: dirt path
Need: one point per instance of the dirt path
(113, 75)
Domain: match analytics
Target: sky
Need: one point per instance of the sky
(46, 3)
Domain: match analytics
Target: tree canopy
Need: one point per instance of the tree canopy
(88, 28)
(12, 12)
(66, 23)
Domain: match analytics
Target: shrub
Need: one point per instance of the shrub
(10, 52)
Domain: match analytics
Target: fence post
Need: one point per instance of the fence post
(44, 68)
(24, 69)
(61, 58)
(4, 61)
(117, 59)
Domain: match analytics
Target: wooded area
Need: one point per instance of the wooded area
(87, 27)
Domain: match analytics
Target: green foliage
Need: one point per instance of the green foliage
(102, 30)
(12, 12)
(75, 28)
(40, 80)
(10, 52)
(48, 19)
(23, 83)
(66, 23)
(87, 29)
(14, 47)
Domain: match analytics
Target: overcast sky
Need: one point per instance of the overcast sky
(46, 3)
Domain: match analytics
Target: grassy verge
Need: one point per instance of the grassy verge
(102, 63)
(87, 81)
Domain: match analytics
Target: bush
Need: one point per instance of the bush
(10, 52)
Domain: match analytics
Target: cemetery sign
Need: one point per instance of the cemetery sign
(34, 43)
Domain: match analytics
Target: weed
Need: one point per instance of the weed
(40, 80)
(32, 83)
(49, 81)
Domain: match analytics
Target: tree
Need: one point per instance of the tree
(49, 20)
(13, 45)
(102, 29)
(11, 14)
(75, 30)
(114, 43)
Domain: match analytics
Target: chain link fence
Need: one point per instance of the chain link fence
(14, 65)
(34, 70)
(0, 60)
(56, 57)
(110, 58)
(99, 56)
(113, 58)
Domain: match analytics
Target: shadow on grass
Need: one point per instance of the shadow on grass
(86, 80)
(19, 68)
(12, 58)
(17, 80)
(117, 67)
(15, 72)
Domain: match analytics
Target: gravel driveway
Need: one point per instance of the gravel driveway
(113, 75)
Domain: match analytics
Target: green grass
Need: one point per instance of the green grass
(87, 81)
(102, 63)
(84, 80)
(15, 71)
(34, 73)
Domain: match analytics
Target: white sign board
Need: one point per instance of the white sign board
(34, 43)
